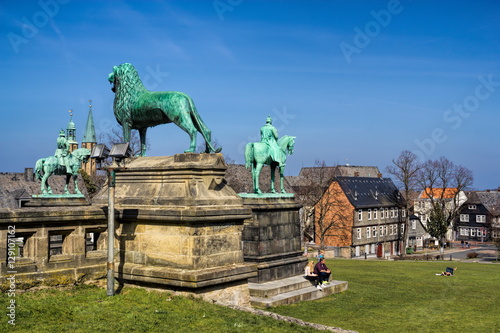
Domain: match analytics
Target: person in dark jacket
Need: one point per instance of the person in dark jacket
(322, 271)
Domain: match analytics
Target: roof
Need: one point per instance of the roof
(18, 185)
(489, 199)
(240, 179)
(369, 191)
(449, 193)
(89, 133)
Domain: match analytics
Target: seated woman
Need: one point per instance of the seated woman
(309, 274)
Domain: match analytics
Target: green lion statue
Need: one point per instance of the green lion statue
(137, 108)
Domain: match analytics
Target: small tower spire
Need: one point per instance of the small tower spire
(89, 134)
(71, 133)
(89, 141)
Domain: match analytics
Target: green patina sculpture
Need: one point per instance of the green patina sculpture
(269, 151)
(137, 108)
(63, 163)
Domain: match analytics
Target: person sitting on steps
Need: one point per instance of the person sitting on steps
(322, 271)
(310, 275)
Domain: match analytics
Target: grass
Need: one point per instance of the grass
(88, 309)
(383, 296)
(405, 296)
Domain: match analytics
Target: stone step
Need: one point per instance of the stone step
(276, 287)
(290, 290)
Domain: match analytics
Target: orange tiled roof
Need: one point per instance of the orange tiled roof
(438, 193)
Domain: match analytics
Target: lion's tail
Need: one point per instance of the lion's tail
(202, 128)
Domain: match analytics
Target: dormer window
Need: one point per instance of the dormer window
(472, 206)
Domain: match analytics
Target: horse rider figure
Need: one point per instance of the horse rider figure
(62, 150)
(269, 135)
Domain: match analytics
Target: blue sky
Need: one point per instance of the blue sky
(355, 81)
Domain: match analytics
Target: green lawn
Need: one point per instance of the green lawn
(403, 296)
(383, 296)
(88, 309)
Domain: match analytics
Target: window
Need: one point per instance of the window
(15, 247)
(358, 233)
(369, 214)
(472, 207)
(404, 213)
(481, 218)
(391, 229)
(381, 231)
(56, 244)
(385, 230)
(414, 225)
(375, 214)
(402, 229)
(368, 232)
(473, 232)
(387, 213)
(374, 232)
(397, 212)
(92, 240)
(392, 212)
(360, 215)
(464, 217)
(381, 213)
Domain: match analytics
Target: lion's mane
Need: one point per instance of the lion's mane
(128, 88)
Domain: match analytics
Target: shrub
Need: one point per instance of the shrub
(472, 255)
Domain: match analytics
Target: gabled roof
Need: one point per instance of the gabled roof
(448, 193)
(369, 191)
(490, 200)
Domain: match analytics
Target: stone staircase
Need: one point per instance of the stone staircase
(290, 290)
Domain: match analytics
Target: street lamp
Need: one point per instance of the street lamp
(99, 152)
(118, 152)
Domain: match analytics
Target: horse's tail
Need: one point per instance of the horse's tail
(39, 168)
(249, 155)
(201, 127)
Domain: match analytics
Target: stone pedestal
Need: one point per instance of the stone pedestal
(180, 226)
(271, 238)
(57, 200)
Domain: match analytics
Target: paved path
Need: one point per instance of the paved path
(486, 251)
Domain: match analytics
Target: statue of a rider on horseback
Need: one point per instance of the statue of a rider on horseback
(63, 163)
(270, 151)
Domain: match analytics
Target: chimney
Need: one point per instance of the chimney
(29, 176)
(356, 174)
(379, 175)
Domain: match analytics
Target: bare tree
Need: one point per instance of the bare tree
(115, 135)
(324, 212)
(405, 169)
(332, 216)
(215, 143)
(312, 183)
(443, 184)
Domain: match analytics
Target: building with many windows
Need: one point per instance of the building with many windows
(369, 216)
(478, 216)
(423, 206)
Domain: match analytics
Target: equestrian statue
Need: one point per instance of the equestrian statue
(63, 163)
(135, 107)
(269, 151)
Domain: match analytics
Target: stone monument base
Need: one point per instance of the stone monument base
(271, 238)
(180, 227)
(57, 200)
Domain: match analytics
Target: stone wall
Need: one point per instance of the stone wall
(52, 246)
(271, 237)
